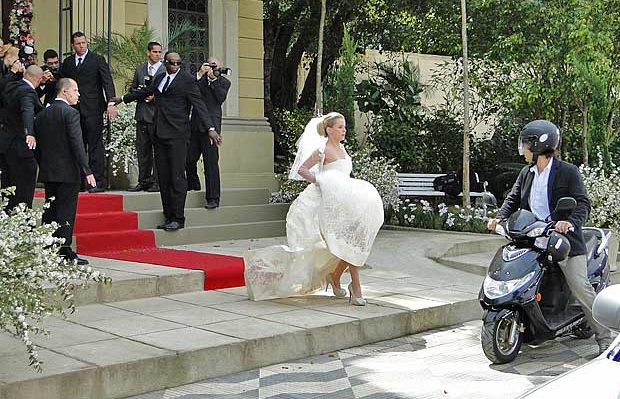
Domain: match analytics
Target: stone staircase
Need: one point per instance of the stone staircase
(155, 327)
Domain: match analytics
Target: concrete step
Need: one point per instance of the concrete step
(132, 280)
(220, 216)
(128, 348)
(209, 233)
(144, 201)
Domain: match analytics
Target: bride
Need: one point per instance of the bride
(329, 227)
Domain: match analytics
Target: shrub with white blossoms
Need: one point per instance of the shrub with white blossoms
(34, 280)
(421, 214)
(122, 145)
(379, 171)
(603, 185)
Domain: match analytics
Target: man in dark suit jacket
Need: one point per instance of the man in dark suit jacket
(17, 140)
(92, 74)
(213, 88)
(62, 162)
(538, 188)
(145, 119)
(175, 93)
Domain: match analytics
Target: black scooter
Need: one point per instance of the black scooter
(525, 296)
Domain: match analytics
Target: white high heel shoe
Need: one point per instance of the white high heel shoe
(338, 292)
(354, 300)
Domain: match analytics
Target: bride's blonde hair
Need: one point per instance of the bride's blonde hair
(328, 121)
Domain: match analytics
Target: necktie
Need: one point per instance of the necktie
(163, 89)
(79, 64)
(150, 70)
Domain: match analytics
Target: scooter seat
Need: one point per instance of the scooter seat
(591, 239)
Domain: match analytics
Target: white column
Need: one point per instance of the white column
(231, 55)
(158, 20)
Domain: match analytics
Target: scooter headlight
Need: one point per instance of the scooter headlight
(495, 289)
(536, 232)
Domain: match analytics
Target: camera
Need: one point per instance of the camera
(218, 71)
(54, 70)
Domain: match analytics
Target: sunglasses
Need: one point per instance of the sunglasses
(174, 62)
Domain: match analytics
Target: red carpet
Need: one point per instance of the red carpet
(103, 229)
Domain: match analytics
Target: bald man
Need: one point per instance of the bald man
(17, 142)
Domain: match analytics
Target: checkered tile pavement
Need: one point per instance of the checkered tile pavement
(446, 363)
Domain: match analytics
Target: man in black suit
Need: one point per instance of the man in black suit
(175, 91)
(213, 88)
(62, 162)
(92, 74)
(538, 188)
(17, 140)
(51, 66)
(145, 119)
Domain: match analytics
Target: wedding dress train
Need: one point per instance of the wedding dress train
(336, 218)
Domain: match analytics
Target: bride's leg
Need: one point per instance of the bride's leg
(355, 280)
(342, 266)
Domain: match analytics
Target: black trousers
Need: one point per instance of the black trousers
(92, 133)
(20, 172)
(145, 144)
(170, 158)
(200, 145)
(62, 210)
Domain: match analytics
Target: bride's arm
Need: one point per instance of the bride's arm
(304, 169)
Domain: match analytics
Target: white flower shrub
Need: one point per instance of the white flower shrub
(122, 144)
(34, 280)
(603, 185)
(421, 214)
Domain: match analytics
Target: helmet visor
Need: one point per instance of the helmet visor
(522, 144)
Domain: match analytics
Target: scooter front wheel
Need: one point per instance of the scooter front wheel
(501, 338)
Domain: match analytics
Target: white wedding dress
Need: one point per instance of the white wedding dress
(338, 217)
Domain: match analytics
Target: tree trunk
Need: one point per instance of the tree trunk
(318, 107)
(465, 106)
(586, 110)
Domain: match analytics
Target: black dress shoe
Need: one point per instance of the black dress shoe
(73, 257)
(137, 187)
(173, 226)
(212, 204)
(153, 189)
(163, 225)
(193, 187)
(96, 190)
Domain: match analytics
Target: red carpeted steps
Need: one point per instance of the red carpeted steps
(103, 229)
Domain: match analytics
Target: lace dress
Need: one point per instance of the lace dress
(338, 217)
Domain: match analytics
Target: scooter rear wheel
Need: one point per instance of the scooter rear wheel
(501, 339)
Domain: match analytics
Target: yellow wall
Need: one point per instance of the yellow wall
(251, 73)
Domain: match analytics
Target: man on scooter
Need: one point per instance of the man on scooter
(538, 188)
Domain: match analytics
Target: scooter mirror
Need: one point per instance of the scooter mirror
(489, 200)
(566, 204)
(606, 307)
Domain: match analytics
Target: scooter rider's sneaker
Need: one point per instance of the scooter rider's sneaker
(603, 344)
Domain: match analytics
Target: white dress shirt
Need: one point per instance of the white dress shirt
(163, 81)
(152, 69)
(539, 199)
(77, 57)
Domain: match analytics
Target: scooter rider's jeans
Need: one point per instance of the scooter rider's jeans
(576, 275)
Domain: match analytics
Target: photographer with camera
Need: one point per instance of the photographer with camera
(213, 89)
(51, 69)
(145, 119)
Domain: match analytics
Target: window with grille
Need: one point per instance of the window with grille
(193, 45)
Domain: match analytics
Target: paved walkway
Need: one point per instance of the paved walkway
(163, 337)
(443, 363)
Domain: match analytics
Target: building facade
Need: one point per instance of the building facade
(233, 31)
